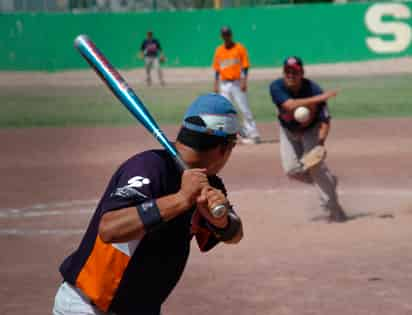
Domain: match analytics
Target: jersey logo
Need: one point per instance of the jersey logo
(130, 190)
(229, 62)
(138, 181)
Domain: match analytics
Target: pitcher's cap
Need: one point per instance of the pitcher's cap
(294, 63)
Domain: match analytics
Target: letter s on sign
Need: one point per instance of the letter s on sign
(399, 30)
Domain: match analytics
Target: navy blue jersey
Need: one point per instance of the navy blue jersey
(151, 47)
(136, 277)
(280, 94)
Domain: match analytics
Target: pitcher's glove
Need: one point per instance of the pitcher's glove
(313, 157)
(162, 59)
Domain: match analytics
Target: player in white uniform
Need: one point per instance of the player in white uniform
(231, 66)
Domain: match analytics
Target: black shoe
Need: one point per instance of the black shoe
(337, 215)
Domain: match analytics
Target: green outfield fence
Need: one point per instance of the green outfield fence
(138, 5)
(319, 33)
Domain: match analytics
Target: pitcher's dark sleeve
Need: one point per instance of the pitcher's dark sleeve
(278, 93)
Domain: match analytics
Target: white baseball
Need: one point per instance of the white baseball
(301, 114)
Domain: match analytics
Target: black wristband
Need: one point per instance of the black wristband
(244, 72)
(149, 214)
(228, 232)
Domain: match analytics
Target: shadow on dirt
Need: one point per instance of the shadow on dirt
(269, 141)
(354, 216)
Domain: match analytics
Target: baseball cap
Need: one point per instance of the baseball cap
(212, 114)
(294, 63)
(225, 30)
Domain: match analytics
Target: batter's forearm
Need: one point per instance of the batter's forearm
(126, 224)
(173, 205)
(121, 226)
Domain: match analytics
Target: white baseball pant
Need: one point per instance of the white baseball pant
(231, 90)
(152, 62)
(292, 148)
(70, 301)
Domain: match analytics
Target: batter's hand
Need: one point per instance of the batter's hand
(243, 85)
(208, 199)
(193, 181)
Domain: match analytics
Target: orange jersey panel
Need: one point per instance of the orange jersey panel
(102, 273)
(230, 62)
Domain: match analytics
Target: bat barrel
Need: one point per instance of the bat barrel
(112, 78)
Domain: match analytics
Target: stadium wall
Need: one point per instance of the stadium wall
(321, 33)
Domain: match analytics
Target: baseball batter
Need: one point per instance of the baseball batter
(298, 139)
(138, 240)
(231, 65)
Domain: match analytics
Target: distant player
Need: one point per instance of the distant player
(231, 65)
(151, 52)
(297, 139)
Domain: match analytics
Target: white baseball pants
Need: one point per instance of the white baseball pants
(152, 63)
(231, 90)
(70, 301)
(292, 148)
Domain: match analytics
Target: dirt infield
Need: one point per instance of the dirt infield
(286, 264)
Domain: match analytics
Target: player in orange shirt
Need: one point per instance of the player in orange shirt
(231, 65)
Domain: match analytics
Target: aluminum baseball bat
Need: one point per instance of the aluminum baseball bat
(125, 94)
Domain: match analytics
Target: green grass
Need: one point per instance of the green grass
(360, 97)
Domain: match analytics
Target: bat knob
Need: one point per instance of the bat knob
(219, 211)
